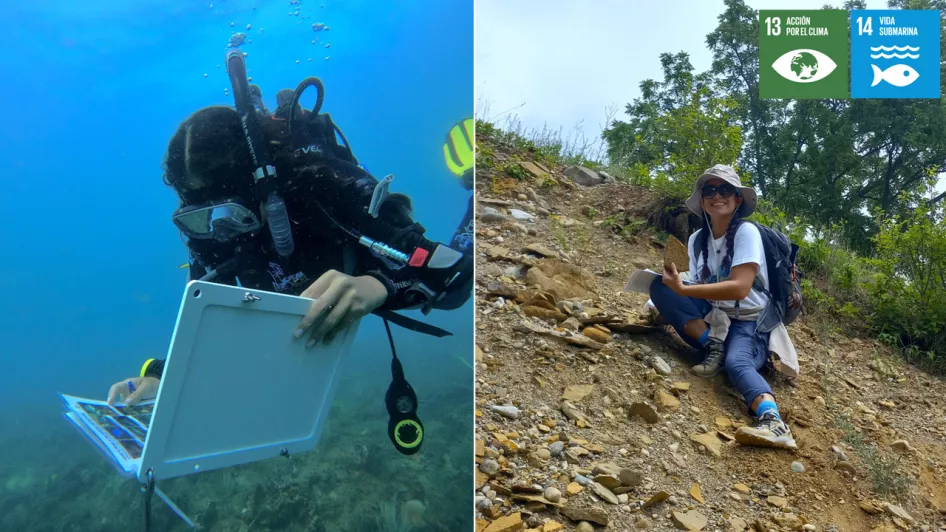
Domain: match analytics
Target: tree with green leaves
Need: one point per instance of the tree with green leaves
(847, 163)
(677, 128)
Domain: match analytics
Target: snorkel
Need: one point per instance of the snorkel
(265, 174)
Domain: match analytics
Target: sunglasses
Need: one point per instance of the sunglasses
(725, 190)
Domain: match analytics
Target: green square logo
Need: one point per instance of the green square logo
(803, 53)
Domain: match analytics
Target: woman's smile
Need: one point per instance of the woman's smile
(717, 204)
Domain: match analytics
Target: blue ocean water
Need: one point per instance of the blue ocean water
(91, 284)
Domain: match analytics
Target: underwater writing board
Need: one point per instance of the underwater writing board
(237, 387)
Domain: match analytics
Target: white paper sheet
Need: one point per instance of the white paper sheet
(640, 281)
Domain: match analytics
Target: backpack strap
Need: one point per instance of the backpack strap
(757, 284)
(759, 287)
(698, 244)
(772, 243)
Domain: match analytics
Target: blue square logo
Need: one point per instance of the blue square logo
(895, 53)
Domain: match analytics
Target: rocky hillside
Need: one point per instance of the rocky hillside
(588, 417)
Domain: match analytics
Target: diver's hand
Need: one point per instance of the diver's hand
(134, 390)
(339, 300)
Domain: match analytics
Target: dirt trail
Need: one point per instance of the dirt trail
(576, 427)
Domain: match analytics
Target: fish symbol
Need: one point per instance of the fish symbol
(897, 75)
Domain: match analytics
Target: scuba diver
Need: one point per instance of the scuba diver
(277, 203)
(459, 154)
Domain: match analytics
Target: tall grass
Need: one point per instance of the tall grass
(572, 147)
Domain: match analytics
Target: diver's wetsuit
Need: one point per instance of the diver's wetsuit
(463, 237)
(344, 190)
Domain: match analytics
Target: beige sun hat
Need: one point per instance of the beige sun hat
(729, 175)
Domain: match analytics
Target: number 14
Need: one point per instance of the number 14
(863, 28)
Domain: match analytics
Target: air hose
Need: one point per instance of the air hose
(265, 174)
(320, 97)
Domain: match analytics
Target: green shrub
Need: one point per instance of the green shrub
(484, 156)
(515, 171)
(908, 290)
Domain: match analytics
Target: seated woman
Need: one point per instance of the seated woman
(717, 315)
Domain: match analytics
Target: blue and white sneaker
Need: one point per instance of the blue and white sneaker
(768, 430)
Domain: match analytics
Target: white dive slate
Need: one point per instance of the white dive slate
(237, 387)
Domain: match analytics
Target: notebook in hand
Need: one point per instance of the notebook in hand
(118, 431)
(276, 394)
(640, 280)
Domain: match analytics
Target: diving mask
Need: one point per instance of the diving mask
(221, 221)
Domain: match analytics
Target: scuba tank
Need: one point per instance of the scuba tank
(265, 174)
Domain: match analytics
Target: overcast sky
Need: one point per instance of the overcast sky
(538, 52)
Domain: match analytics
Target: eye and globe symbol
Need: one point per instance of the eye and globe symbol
(804, 65)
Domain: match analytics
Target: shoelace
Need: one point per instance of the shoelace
(768, 418)
(714, 354)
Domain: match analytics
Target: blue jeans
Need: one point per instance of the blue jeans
(746, 351)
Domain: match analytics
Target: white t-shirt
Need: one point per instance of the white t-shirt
(748, 249)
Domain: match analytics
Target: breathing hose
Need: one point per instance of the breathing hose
(265, 175)
(320, 97)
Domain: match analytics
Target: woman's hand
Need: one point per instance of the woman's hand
(672, 279)
(134, 390)
(339, 300)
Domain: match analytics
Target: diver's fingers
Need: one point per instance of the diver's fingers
(115, 392)
(333, 318)
(344, 324)
(138, 395)
(320, 285)
(321, 306)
